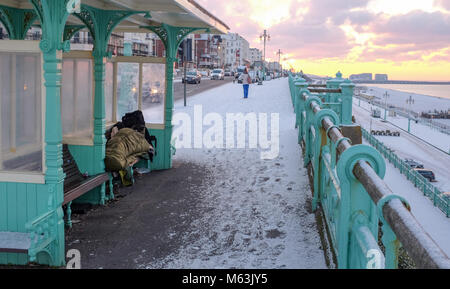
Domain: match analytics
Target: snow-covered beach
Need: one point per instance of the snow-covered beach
(422, 102)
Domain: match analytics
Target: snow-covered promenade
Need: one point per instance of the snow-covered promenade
(257, 212)
(216, 208)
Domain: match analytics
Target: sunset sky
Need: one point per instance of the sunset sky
(407, 39)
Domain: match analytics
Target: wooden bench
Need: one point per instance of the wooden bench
(76, 184)
(40, 232)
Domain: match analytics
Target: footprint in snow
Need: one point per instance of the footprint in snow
(275, 234)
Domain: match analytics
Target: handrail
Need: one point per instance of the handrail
(324, 90)
(419, 245)
(416, 179)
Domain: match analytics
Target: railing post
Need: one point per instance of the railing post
(347, 102)
(389, 239)
(300, 87)
(354, 198)
(309, 141)
(319, 142)
(334, 84)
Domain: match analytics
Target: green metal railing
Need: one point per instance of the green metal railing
(348, 186)
(439, 200)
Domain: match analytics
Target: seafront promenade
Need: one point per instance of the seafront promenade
(217, 208)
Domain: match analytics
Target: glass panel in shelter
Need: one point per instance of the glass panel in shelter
(21, 112)
(109, 91)
(77, 98)
(127, 88)
(153, 92)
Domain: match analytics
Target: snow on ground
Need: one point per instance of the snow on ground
(430, 135)
(430, 217)
(433, 136)
(435, 223)
(259, 214)
(443, 121)
(409, 147)
(422, 103)
(153, 113)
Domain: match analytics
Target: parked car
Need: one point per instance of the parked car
(218, 74)
(204, 73)
(413, 164)
(193, 77)
(152, 94)
(428, 174)
(227, 72)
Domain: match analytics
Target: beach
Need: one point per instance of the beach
(422, 103)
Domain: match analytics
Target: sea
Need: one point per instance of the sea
(442, 91)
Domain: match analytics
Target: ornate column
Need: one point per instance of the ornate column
(172, 37)
(53, 15)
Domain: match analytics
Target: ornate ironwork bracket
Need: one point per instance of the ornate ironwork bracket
(101, 24)
(70, 30)
(17, 21)
(172, 36)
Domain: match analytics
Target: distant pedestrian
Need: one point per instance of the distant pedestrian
(246, 81)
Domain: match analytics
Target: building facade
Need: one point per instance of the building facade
(255, 55)
(236, 50)
(381, 77)
(274, 66)
(208, 51)
(362, 76)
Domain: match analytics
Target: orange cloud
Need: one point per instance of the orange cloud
(404, 38)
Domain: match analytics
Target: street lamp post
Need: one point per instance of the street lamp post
(409, 101)
(279, 60)
(386, 96)
(266, 38)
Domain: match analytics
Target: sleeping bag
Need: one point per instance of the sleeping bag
(124, 149)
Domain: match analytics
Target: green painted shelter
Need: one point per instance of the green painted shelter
(52, 97)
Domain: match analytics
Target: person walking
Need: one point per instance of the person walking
(246, 81)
